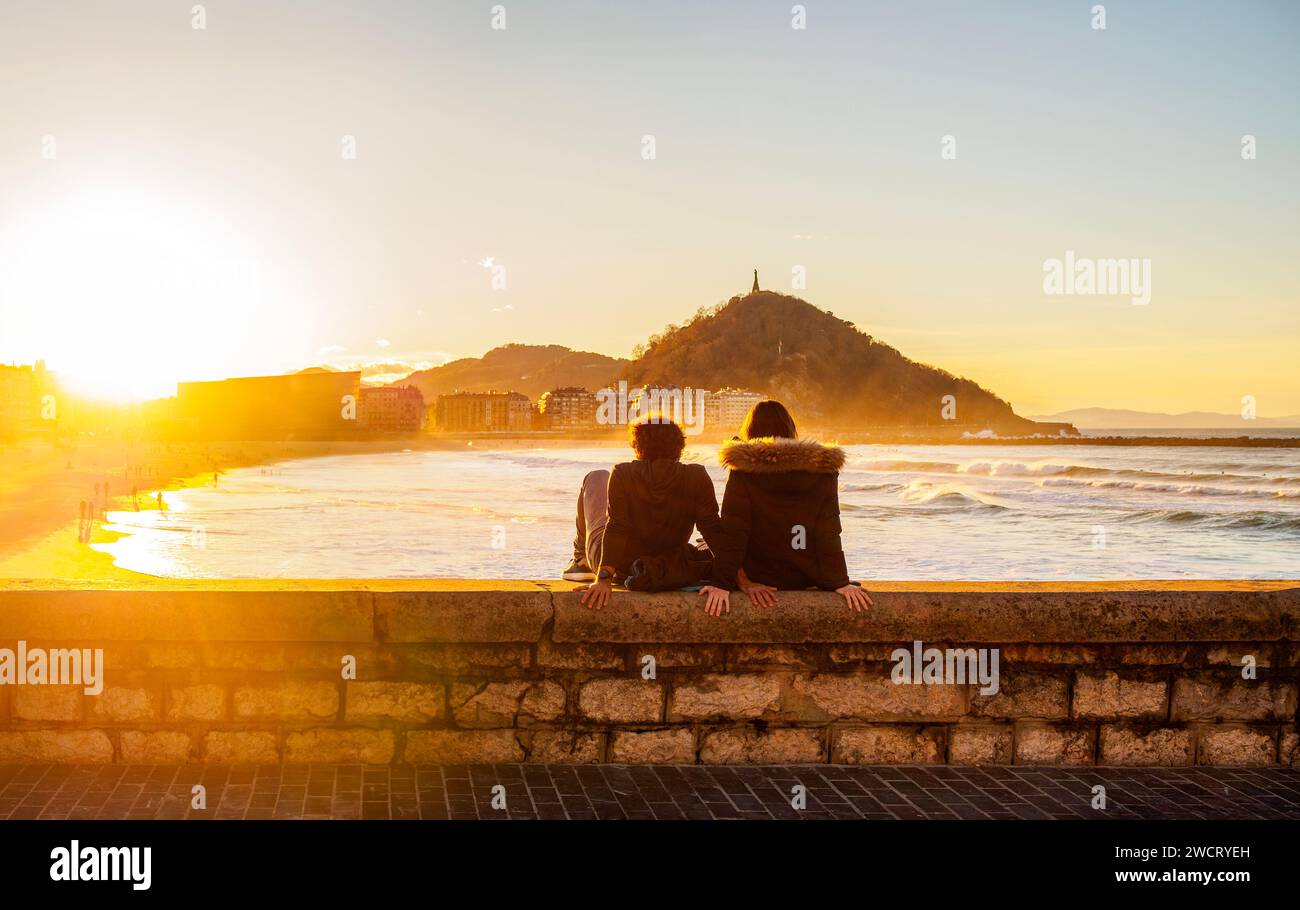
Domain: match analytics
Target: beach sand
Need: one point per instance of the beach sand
(42, 485)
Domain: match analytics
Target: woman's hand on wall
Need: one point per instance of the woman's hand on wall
(859, 600)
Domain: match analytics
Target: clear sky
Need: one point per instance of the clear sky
(175, 203)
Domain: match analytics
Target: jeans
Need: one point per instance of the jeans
(593, 516)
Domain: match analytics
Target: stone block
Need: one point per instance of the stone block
(739, 696)
(56, 746)
(1108, 695)
(118, 704)
(1212, 698)
(417, 703)
(61, 703)
(502, 704)
(566, 747)
(462, 747)
(887, 744)
(653, 747)
(622, 701)
(1235, 745)
(155, 747)
(873, 696)
(773, 746)
(980, 744)
(1024, 694)
(254, 747)
(1046, 744)
(288, 701)
(202, 702)
(1128, 746)
(371, 747)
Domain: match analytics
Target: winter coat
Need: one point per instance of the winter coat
(781, 515)
(653, 508)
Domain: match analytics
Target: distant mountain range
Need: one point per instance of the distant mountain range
(822, 366)
(528, 368)
(1121, 419)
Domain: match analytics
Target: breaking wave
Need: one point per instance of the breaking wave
(1182, 489)
(1257, 520)
(920, 492)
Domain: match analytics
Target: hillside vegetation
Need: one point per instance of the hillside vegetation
(528, 368)
(821, 365)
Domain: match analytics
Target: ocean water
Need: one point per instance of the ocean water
(909, 512)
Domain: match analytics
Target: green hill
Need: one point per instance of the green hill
(820, 365)
(528, 368)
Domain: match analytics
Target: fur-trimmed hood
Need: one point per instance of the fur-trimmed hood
(779, 456)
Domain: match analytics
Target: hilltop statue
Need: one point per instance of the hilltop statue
(754, 289)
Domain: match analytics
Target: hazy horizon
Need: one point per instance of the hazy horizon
(200, 217)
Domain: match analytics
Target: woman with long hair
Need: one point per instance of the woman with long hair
(781, 512)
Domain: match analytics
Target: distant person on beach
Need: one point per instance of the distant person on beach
(634, 524)
(162, 506)
(81, 522)
(781, 512)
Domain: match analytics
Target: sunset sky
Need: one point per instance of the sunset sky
(175, 202)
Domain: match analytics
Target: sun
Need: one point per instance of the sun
(123, 291)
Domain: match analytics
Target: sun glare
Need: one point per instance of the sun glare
(126, 292)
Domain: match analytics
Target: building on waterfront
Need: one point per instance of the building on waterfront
(391, 409)
(310, 405)
(21, 391)
(725, 409)
(568, 408)
(695, 410)
(483, 412)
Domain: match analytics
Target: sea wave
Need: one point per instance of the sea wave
(1004, 467)
(920, 492)
(908, 512)
(1023, 468)
(534, 458)
(886, 486)
(1260, 520)
(902, 466)
(1181, 489)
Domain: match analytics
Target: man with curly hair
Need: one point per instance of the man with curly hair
(634, 523)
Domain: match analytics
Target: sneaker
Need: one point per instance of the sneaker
(578, 571)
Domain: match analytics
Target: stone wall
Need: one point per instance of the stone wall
(253, 672)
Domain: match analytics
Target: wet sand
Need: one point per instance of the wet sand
(42, 485)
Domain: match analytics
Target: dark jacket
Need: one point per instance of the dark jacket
(776, 488)
(653, 508)
(671, 570)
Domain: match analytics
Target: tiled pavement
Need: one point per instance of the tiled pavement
(643, 792)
